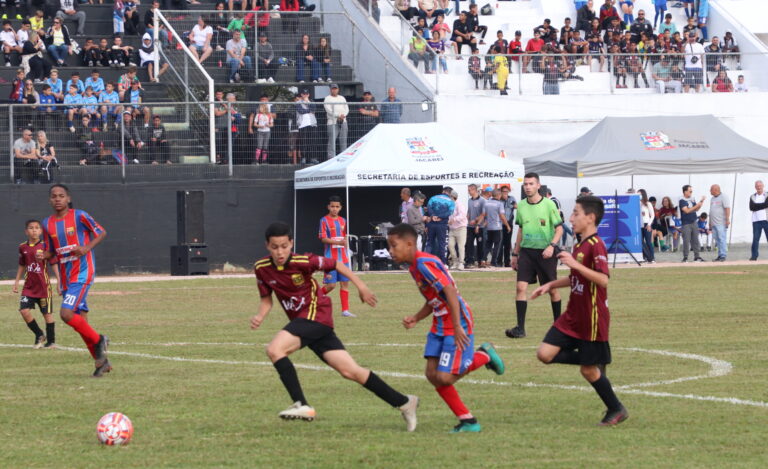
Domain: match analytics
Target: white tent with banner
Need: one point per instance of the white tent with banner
(408, 155)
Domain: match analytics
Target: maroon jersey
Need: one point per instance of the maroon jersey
(586, 316)
(36, 281)
(294, 286)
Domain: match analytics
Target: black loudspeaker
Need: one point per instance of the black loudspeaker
(189, 216)
(189, 260)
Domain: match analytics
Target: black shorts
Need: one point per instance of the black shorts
(44, 304)
(532, 266)
(693, 77)
(590, 353)
(318, 337)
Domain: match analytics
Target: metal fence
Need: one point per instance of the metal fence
(154, 141)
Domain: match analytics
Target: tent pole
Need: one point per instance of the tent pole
(730, 232)
(294, 218)
(346, 186)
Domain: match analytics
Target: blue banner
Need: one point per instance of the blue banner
(622, 219)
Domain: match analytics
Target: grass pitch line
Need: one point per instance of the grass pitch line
(392, 374)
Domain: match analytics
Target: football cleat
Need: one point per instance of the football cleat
(101, 350)
(409, 412)
(496, 364)
(298, 412)
(39, 341)
(516, 332)
(50, 345)
(467, 427)
(614, 417)
(104, 368)
(347, 314)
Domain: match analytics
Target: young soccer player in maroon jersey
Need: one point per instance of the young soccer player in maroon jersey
(333, 235)
(37, 285)
(449, 351)
(580, 335)
(70, 236)
(289, 277)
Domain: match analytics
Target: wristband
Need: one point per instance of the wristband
(514, 254)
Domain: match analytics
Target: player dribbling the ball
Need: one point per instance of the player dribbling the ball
(580, 335)
(289, 277)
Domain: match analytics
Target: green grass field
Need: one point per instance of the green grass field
(196, 383)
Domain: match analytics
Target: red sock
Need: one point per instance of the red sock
(344, 294)
(91, 349)
(451, 397)
(481, 358)
(90, 337)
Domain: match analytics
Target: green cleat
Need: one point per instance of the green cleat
(496, 364)
(466, 427)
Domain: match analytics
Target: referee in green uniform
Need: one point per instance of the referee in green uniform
(540, 228)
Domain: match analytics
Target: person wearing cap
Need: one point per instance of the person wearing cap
(134, 99)
(266, 57)
(584, 191)
(307, 124)
(336, 110)
(369, 115)
(694, 64)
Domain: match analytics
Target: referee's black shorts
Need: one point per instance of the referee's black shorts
(590, 353)
(531, 266)
(318, 337)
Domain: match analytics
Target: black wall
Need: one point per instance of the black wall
(140, 220)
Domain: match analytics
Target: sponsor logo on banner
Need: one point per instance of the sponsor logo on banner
(422, 151)
(656, 141)
(352, 150)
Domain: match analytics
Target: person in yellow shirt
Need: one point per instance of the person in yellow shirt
(502, 70)
(37, 21)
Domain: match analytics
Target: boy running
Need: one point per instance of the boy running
(449, 351)
(70, 236)
(37, 286)
(333, 234)
(580, 335)
(289, 276)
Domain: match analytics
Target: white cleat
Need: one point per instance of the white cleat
(298, 412)
(347, 314)
(409, 412)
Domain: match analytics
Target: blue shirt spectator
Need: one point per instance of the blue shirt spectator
(392, 108)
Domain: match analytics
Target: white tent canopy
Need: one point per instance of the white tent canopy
(409, 154)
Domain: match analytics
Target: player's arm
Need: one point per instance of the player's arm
(553, 285)
(80, 251)
(410, 321)
(265, 306)
(516, 250)
(19, 274)
(452, 299)
(366, 295)
(335, 242)
(55, 271)
(598, 278)
(503, 217)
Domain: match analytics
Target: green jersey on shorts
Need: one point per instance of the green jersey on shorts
(538, 222)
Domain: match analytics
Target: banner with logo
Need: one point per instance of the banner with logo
(622, 221)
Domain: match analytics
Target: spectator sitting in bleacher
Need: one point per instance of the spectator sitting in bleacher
(95, 82)
(635, 65)
(125, 80)
(419, 51)
(662, 76)
(607, 12)
(110, 107)
(46, 112)
(462, 35)
(37, 21)
(119, 54)
(618, 65)
(405, 9)
(74, 79)
(692, 27)
(741, 86)
(23, 33)
(200, 40)
(91, 106)
(237, 59)
(90, 54)
(305, 57)
(218, 23)
(131, 14)
(73, 106)
(324, 59)
(266, 56)
(534, 46)
(547, 32)
(475, 69)
(721, 83)
(731, 48)
(428, 9)
(596, 50)
(46, 157)
(714, 56)
(516, 48)
(86, 135)
(132, 140)
(640, 26)
(613, 29)
(26, 115)
(500, 42)
(30, 58)
(149, 24)
(147, 56)
(442, 29)
(585, 16)
(57, 86)
(439, 53)
(159, 148)
(667, 25)
(68, 10)
(421, 25)
(566, 32)
(133, 101)
(577, 45)
(489, 70)
(11, 47)
(474, 23)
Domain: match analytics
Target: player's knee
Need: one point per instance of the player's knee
(590, 372)
(443, 379)
(352, 373)
(274, 353)
(543, 357)
(66, 315)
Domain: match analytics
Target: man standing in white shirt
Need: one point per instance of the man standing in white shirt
(758, 204)
(694, 64)
(719, 220)
(457, 234)
(337, 111)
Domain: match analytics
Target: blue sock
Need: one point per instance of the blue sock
(687, 14)
(704, 32)
(70, 124)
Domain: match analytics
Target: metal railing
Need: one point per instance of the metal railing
(154, 141)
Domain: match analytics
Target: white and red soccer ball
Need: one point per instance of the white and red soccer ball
(114, 429)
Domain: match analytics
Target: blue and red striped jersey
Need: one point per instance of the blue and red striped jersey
(432, 277)
(61, 235)
(336, 229)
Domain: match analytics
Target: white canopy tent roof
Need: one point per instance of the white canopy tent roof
(409, 154)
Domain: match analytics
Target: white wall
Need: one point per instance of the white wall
(529, 126)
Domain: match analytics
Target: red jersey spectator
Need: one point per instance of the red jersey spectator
(607, 11)
(721, 83)
(534, 46)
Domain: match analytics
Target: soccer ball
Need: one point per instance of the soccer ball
(114, 429)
